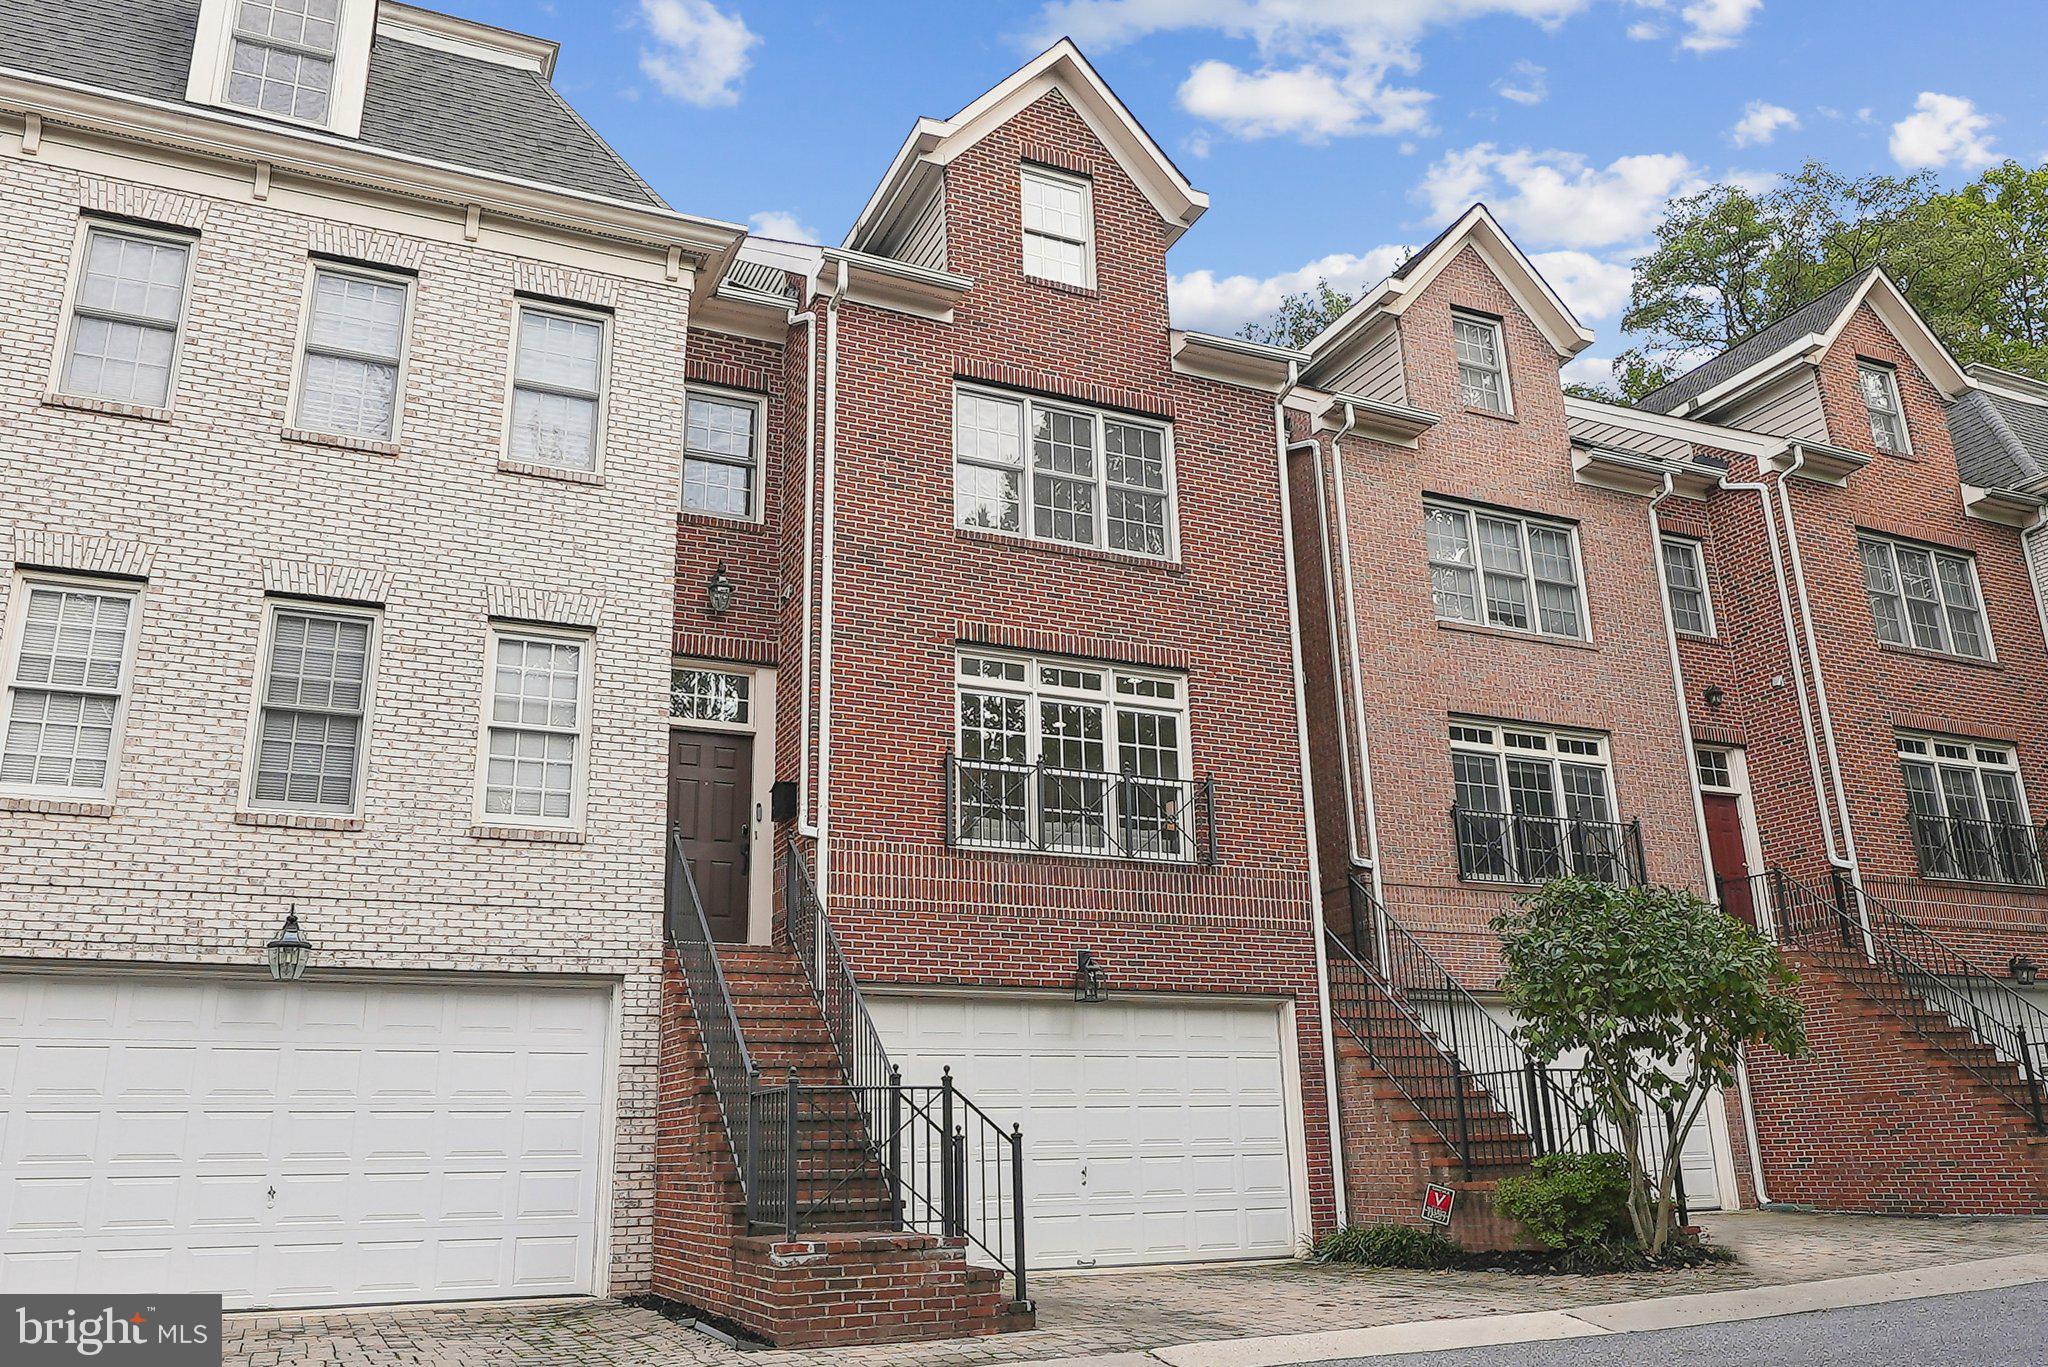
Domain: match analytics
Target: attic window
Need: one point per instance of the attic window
(1059, 227)
(282, 59)
(1880, 388)
(1482, 372)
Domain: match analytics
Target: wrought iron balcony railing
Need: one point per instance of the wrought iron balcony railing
(1506, 847)
(1031, 807)
(1978, 851)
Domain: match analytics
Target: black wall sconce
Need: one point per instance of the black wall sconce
(1715, 695)
(288, 950)
(718, 593)
(1091, 984)
(2023, 970)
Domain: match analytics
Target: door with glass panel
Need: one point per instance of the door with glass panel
(1968, 812)
(1533, 805)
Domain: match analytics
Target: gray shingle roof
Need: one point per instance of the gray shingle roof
(420, 101)
(2001, 442)
(1812, 316)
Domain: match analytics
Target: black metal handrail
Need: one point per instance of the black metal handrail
(859, 1044)
(1838, 915)
(1978, 851)
(1037, 808)
(733, 1073)
(1508, 847)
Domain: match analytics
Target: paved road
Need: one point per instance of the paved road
(1982, 1329)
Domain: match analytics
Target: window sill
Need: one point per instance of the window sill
(1493, 413)
(106, 406)
(1509, 634)
(1060, 548)
(1702, 638)
(298, 821)
(1062, 287)
(540, 835)
(1137, 861)
(58, 806)
(691, 517)
(1981, 885)
(307, 437)
(567, 476)
(1942, 656)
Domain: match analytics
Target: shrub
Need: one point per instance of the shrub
(1571, 1200)
(1388, 1246)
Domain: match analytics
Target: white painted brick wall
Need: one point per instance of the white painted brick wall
(212, 497)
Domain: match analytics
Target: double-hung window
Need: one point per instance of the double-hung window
(1060, 472)
(1968, 810)
(536, 721)
(1482, 363)
(1059, 226)
(557, 388)
(282, 59)
(1685, 580)
(1924, 598)
(354, 354)
(312, 714)
(1880, 389)
(67, 685)
(1532, 804)
(1499, 570)
(1071, 757)
(122, 342)
(721, 441)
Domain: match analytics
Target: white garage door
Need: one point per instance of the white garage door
(1153, 1132)
(298, 1145)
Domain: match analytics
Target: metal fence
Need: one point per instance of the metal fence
(1033, 807)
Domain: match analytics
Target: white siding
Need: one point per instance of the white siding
(1630, 439)
(1792, 409)
(1378, 373)
(924, 241)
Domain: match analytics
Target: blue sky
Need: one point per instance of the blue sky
(1328, 133)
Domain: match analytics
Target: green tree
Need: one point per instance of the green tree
(1299, 317)
(1658, 992)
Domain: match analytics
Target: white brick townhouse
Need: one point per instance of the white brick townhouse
(340, 422)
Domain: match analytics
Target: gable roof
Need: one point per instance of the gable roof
(935, 142)
(1811, 318)
(421, 101)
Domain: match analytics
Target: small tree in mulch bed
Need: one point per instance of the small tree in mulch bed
(1658, 992)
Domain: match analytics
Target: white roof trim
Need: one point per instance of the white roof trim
(936, 142)
(466, 37)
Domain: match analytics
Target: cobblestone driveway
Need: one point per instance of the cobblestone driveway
(1110, 1312)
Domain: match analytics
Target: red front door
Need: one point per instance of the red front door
(1731, 855)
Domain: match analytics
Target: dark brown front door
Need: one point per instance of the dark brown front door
(710, 805)
(1731, 854)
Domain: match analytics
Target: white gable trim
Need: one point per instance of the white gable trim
(1911, 330)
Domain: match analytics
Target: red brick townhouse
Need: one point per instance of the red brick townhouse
(989, 742)
(1863, 653)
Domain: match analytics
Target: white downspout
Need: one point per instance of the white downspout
(1308, 801)
(805, 824)
(1820, 681)
(1372, 810)
(1699, 809)
(831, 494)
(1756, 1156)
(2027, 534)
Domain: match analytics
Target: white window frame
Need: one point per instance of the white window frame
(1692, 548)
(1979, 757)
(579, 782)
(1936, 555)
(1500, 356)
(757, 500)
(10, 663)
(1028, 171)
(213, 55)
(1898, 407)
(1472, 512)
(1551, 746)
(1027, 489)
(316, 267)
(253, 742)
(749, 720)
(520, 305)
(74, 285)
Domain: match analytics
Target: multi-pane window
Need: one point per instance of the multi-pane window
(355, 339)
(312, 705)
(557, 386)
(1073, 758)
(535, 711)
(1532, 804)
(1968, 810)
(1482, 364)
(1880, 389)
(720, 438)
(1716, 769)
(1059, 226)
(125, 316)
(1498, 570)
(69, 676)
(282, 61)
(1059, 472)
(1685, 580)
(1924, 598)
(718, 695)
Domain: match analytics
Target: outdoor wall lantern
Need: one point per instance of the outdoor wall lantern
(2023, 970)
(288, 950)
(1715, 695)
(1091, 984)
(718, 593)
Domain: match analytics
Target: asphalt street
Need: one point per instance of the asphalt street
(2007, 1328)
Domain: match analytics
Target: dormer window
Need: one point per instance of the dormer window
(1059, 227)
(282, 61)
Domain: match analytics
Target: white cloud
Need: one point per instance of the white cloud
(1586, 368)
(1558, 198)
(1206, 302)
(1944, 130)
(1525, 83)
(1305, 102)
(1761, 122)
(1643, 31)
(1592, 287)
(699, 52)
(1712, 25)
(782, 226)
